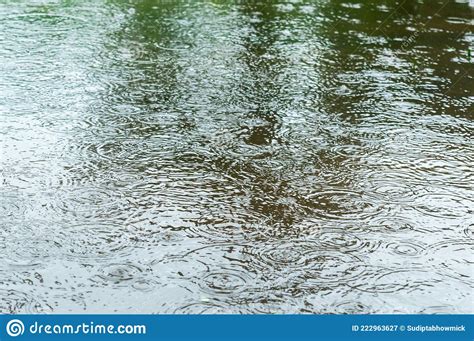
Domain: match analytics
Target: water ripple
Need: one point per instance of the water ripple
(118, 273)
(210, 308)
(452, 257)
(240, 158)
(94, 242)
(18, 302)
(309, 262)
(444, 205)
(348, 242)
(405, 248)
(225, 281)
(342, 204)
(385, 281)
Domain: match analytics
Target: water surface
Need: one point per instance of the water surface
(250, 157)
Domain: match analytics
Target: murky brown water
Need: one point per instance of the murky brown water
(208, 157)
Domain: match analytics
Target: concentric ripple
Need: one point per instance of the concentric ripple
(405, 248)
(469, 231)
(26, 246)
(339, 204)
(309, 262)
(283, 256)
(226, 281)
(384, 281)
(95, 201)
(333, 268)
(210, 308)
(452, 257)
(97, 242)
(348, 242)
(18, 302)
(351, 307)
(444, 205)
(118, 273)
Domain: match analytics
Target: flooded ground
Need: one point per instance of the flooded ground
(250, 157)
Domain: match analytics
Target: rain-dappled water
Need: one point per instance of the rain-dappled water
(250, 157)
